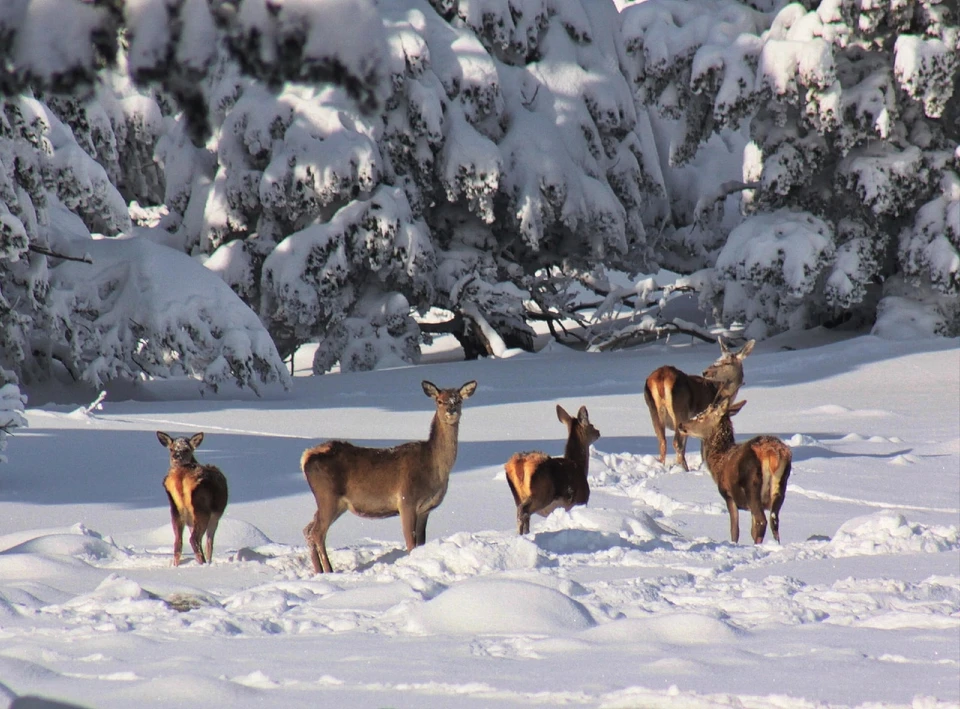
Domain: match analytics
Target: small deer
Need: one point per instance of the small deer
(674, 396)
(540, 483)
(408, 480)
(750, 476)
(197, 493)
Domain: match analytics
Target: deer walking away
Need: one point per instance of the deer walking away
(674, 397)
(408, 480)
(197, 494)
(750, 476)
(540, 483)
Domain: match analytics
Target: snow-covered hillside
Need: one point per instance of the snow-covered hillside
(637, 600)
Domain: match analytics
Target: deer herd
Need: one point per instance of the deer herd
(410, 480)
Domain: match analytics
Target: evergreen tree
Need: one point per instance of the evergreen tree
(853, 119)
(509, 147)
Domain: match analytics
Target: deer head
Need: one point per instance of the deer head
(588, 432)
(707, 421)
(449, 401)
(727, 371)
(181, 449)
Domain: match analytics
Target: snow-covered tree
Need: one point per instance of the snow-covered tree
(11, 408)
(63, 46)
(509, 147)
(853, 123)
(103, 308)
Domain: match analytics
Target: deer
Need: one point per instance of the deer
(750, 476)
(197, 494)
(409, 480)
(674, 396)
(540, 483)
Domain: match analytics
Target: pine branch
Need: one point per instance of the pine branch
(707, 201)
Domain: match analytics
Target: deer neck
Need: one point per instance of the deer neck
(717, 445)
(576, 451)
(442, 446)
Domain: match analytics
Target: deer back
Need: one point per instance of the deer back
(678, 396)
(372, 480)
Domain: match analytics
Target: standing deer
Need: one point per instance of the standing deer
(750, 476)
(540, 483)
(674, 396)
(197, 494)
(410, 479)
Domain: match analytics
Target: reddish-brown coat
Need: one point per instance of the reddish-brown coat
(540, 483)
(749, 476)
(674, 397)
(197, 494)
(408, 480)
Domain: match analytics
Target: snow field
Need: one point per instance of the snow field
(635, 600)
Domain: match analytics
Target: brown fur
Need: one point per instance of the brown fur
(540, 483)
(197, 494)
(674, 397)
(408, 480)
(751, 475)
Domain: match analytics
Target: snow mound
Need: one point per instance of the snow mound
(85, 546)
(890, 533)
(501, 606)
(464, 555)
(665, 628)
(584, 530)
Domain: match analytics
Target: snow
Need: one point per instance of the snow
(635, 600)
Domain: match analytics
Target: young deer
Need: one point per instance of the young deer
(410, 479)
(750, 476)
(674, 396)
(540, 483)
(197, 493)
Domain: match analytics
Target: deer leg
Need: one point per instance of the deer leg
(211, 530)
(734, 520)
(408, 524)
(200, 522)
(176, 521)
(759, 526)
(422, 529)
(775, 516)
(661, 431)
(523, 518)
(313, 544)
(680, 446)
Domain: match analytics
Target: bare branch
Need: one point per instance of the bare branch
(47, 252)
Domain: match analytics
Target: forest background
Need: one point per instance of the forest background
(194, 187)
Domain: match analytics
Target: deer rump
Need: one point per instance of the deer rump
(367, 481)
(763, 462)
(546, 483)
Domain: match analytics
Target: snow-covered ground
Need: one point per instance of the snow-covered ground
(638, 600)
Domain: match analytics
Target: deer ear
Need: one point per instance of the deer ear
(563, 416)
(430, 389)
(582, 415)
(734, 409)
(746, 349)
(466, 391)
(723, 346)
(164, 439)
(196, 440)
